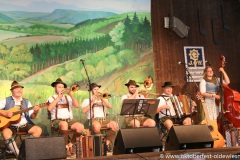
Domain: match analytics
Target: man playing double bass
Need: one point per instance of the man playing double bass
(25, 124)
(167, 114)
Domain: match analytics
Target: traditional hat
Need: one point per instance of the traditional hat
(168, 84)
(57, 82)
(93, 85)
(131, 82)
(15, 84)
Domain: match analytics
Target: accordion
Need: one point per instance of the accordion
(91, 146)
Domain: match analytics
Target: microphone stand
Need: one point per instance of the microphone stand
(89, 95)
(189, 77)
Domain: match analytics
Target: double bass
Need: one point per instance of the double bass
(230, 104)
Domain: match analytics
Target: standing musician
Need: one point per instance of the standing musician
(167, 114)
(209, 87)
(61, 114)
(25, 124)
(137, 121)
(99, 120)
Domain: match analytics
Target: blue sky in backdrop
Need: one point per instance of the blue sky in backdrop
(116, 6)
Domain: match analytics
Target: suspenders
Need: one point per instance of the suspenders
(93, 109)
(61, 106)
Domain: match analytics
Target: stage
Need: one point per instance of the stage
(207, 153)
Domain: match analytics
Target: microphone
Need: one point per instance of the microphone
(208, 63)
(180, 63)
(82, 60)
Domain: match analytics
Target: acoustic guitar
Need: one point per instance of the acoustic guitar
(212, 126)
(5, 122)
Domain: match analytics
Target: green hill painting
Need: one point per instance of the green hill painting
(37, 46)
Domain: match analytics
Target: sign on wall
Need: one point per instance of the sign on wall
(194, 63)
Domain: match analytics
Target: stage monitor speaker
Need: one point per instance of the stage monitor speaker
(137, 140)
(188, 137)
(43, 148)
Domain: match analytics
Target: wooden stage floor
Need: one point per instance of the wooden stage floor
(230, 153)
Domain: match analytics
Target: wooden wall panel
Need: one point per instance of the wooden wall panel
(168, 46)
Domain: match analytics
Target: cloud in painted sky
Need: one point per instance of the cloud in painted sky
(117, 6)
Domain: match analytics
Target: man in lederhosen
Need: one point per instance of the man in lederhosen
(167, 114)
(61, 114)
(99, 105)
(25, 124)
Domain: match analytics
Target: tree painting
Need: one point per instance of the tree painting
(40, 44)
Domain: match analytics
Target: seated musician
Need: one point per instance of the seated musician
(25, 124)
(166, 111)
(99, 120)
(138, 120)
(61, 114)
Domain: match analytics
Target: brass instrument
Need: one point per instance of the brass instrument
(73, 89)
(106, 95)
(148, 83)
(101, 95)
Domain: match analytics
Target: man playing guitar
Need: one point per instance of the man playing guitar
(24, 123)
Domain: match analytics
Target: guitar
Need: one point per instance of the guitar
(5, 122)
(212, 125)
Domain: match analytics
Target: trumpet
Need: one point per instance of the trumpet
(101, 95)
(73, 89)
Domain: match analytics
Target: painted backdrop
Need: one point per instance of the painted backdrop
(41, 40)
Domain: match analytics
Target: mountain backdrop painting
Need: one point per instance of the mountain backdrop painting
(42, 40)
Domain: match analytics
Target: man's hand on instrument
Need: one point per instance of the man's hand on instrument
(9, 114)
(60, 94)
(135, 95)
(36, 109)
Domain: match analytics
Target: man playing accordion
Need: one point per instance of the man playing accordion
(168, 114)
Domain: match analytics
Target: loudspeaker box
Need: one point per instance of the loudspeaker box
(188, 137)
(42, 148)
(137, 140)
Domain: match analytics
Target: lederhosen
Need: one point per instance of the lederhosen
(56, 121)
(102, 120)
(166, 117)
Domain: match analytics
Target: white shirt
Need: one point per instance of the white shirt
(97, 111)
(62, 113)
(165, 100)
(23, 120)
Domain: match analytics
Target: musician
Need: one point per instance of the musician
(167, 114)
(60, 107)
(140, 120)
(209, 87)
(99, 120)
(25, 124)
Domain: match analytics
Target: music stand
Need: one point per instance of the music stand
(133, 107)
